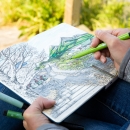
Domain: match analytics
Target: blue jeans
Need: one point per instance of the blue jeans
(108, 110)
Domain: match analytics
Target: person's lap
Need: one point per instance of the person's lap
(108, 110)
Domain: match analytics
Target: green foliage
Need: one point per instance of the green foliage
(35, 16)
(66, 44)
(105, 14)
(32, 16)
(89, 11)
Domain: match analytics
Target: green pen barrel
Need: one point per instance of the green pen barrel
(90, 50)
(99, 47)
(124, 36)
(13, 114)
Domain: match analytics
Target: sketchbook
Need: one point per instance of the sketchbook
(42, 67)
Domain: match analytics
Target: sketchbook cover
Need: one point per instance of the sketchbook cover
(42, 66)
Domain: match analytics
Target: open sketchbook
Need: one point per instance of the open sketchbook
(42, 66)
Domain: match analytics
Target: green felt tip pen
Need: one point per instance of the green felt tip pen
(13, 114)
(99, 47)
(13, 101)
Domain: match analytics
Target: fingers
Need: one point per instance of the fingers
(42, 103)
(100, 56)
(97, 55)
(103, 59)
(116, 48)
(114, 32)
(25, 124)
(95, 42)
(106, 37)
(119, 31)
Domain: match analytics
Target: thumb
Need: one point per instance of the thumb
(106, 37)
(40, 104)
(43, 103)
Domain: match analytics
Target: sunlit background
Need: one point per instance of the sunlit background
(31, 17)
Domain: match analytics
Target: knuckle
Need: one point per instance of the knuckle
(101, 33)
(25, 115)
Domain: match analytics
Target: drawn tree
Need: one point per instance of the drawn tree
(20, 60)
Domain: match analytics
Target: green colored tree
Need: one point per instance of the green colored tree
(32, 16)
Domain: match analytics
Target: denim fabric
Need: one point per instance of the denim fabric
(108, 110)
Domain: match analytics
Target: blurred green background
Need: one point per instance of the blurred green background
(35, 16)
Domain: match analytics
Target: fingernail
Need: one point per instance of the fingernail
(98, 32)
(103, 60)
(91, 45)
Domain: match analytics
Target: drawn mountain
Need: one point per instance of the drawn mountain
(68, 43)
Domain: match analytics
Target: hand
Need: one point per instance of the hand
(33, 117)
(116, 48)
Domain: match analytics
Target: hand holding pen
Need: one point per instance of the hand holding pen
(117, 48)
(111, 43)
(32, 116)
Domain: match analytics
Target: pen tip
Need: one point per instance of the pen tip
(69, 58)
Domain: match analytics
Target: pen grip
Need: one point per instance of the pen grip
(92, 49)
(99, 47)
